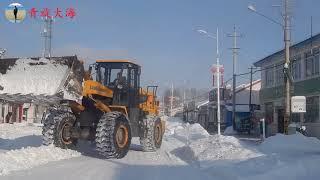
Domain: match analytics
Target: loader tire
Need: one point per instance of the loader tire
(151, 138)
(113, 135)
(53, 130)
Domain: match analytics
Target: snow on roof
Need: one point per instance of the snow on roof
(244, 86)
(203, 103)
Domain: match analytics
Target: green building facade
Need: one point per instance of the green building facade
(304, 69)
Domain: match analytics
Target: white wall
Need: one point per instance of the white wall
(242, 97)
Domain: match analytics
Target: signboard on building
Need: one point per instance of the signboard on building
(214, 70)
(298, 104)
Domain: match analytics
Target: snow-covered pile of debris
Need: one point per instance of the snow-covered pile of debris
(29, 157)
(24, 78)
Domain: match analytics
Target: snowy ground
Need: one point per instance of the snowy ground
(188, 152)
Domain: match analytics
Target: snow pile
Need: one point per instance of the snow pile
(214, 148)
(296, 143)
(29, 157)
(18, 135)
(13, 131)
(190, 133)
(229, 131)
(201, 148)
(33, 79)
(283, 157)
(185, 132)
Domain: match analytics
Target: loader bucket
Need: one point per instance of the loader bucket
(41, 80)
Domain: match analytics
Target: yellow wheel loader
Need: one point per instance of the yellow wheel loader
(104, 104)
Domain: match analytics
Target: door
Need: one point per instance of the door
(280, 121)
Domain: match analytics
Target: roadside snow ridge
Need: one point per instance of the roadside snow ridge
(29, 157)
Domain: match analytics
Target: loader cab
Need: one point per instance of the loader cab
(123, 77)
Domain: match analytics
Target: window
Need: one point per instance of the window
(312, 114)
(296, 67)
(312, 63)
(132, 77)
(269, 76)
(101, 75)
(279, 74)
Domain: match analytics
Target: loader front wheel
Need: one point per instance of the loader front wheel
(151, 138)
(56, 129)
(113, 135)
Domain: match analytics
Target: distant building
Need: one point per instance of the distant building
(207, 112)
(304, 67)
(243, 117)
(17, 113)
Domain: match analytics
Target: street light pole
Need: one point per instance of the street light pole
(218, 76)
(218, 83)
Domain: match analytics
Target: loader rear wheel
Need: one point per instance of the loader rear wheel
(113, 135)
(151, 138)
(56, 129)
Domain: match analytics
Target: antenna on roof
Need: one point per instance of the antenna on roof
(2, 52)
(47, 34)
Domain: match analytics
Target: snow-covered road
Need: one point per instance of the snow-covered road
(188, 152)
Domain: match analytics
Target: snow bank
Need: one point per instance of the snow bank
(214, 148)
(206, 152)
(26, 158)
(33, 79)
(20, 148)
(184, 132)
(188, 133)
(283, 157)
(16, 130)
(296, 143)
(201, 148)
(229, 131)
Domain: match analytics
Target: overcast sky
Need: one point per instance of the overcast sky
(160, 34)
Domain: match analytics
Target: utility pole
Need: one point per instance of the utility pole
(287, 36)
(171, 100)
(184, 93)
(234, 49)
(47, 34)
(250, 93)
